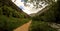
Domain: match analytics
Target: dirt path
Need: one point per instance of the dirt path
(24, 27)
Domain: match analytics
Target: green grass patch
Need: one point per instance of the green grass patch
(41, 26)
(10, 23)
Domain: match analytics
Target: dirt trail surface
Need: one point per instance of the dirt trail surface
(24, 27)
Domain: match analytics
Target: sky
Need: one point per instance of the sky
(28, 9)
(20, 4)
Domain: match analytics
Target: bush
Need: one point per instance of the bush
(10, 18)
(0, 10)
(41, 26)
(50, 15)
(11, 23)
(40, 22)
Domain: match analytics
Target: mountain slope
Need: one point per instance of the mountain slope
(11, 16)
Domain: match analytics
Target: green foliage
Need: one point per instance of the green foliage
(41, 26)
(39, 22)
(0, 10)
(10, 18)
(10, 12)
(11, 23)
(49, 15)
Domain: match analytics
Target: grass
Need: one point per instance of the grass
(41, 26)
(10, 23)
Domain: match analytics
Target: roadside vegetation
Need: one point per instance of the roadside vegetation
(10, 18)
(40, 23)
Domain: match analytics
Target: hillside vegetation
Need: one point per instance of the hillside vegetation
(10, 17)
(40, 23)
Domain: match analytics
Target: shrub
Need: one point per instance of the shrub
(10, 23)
(41, 26)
